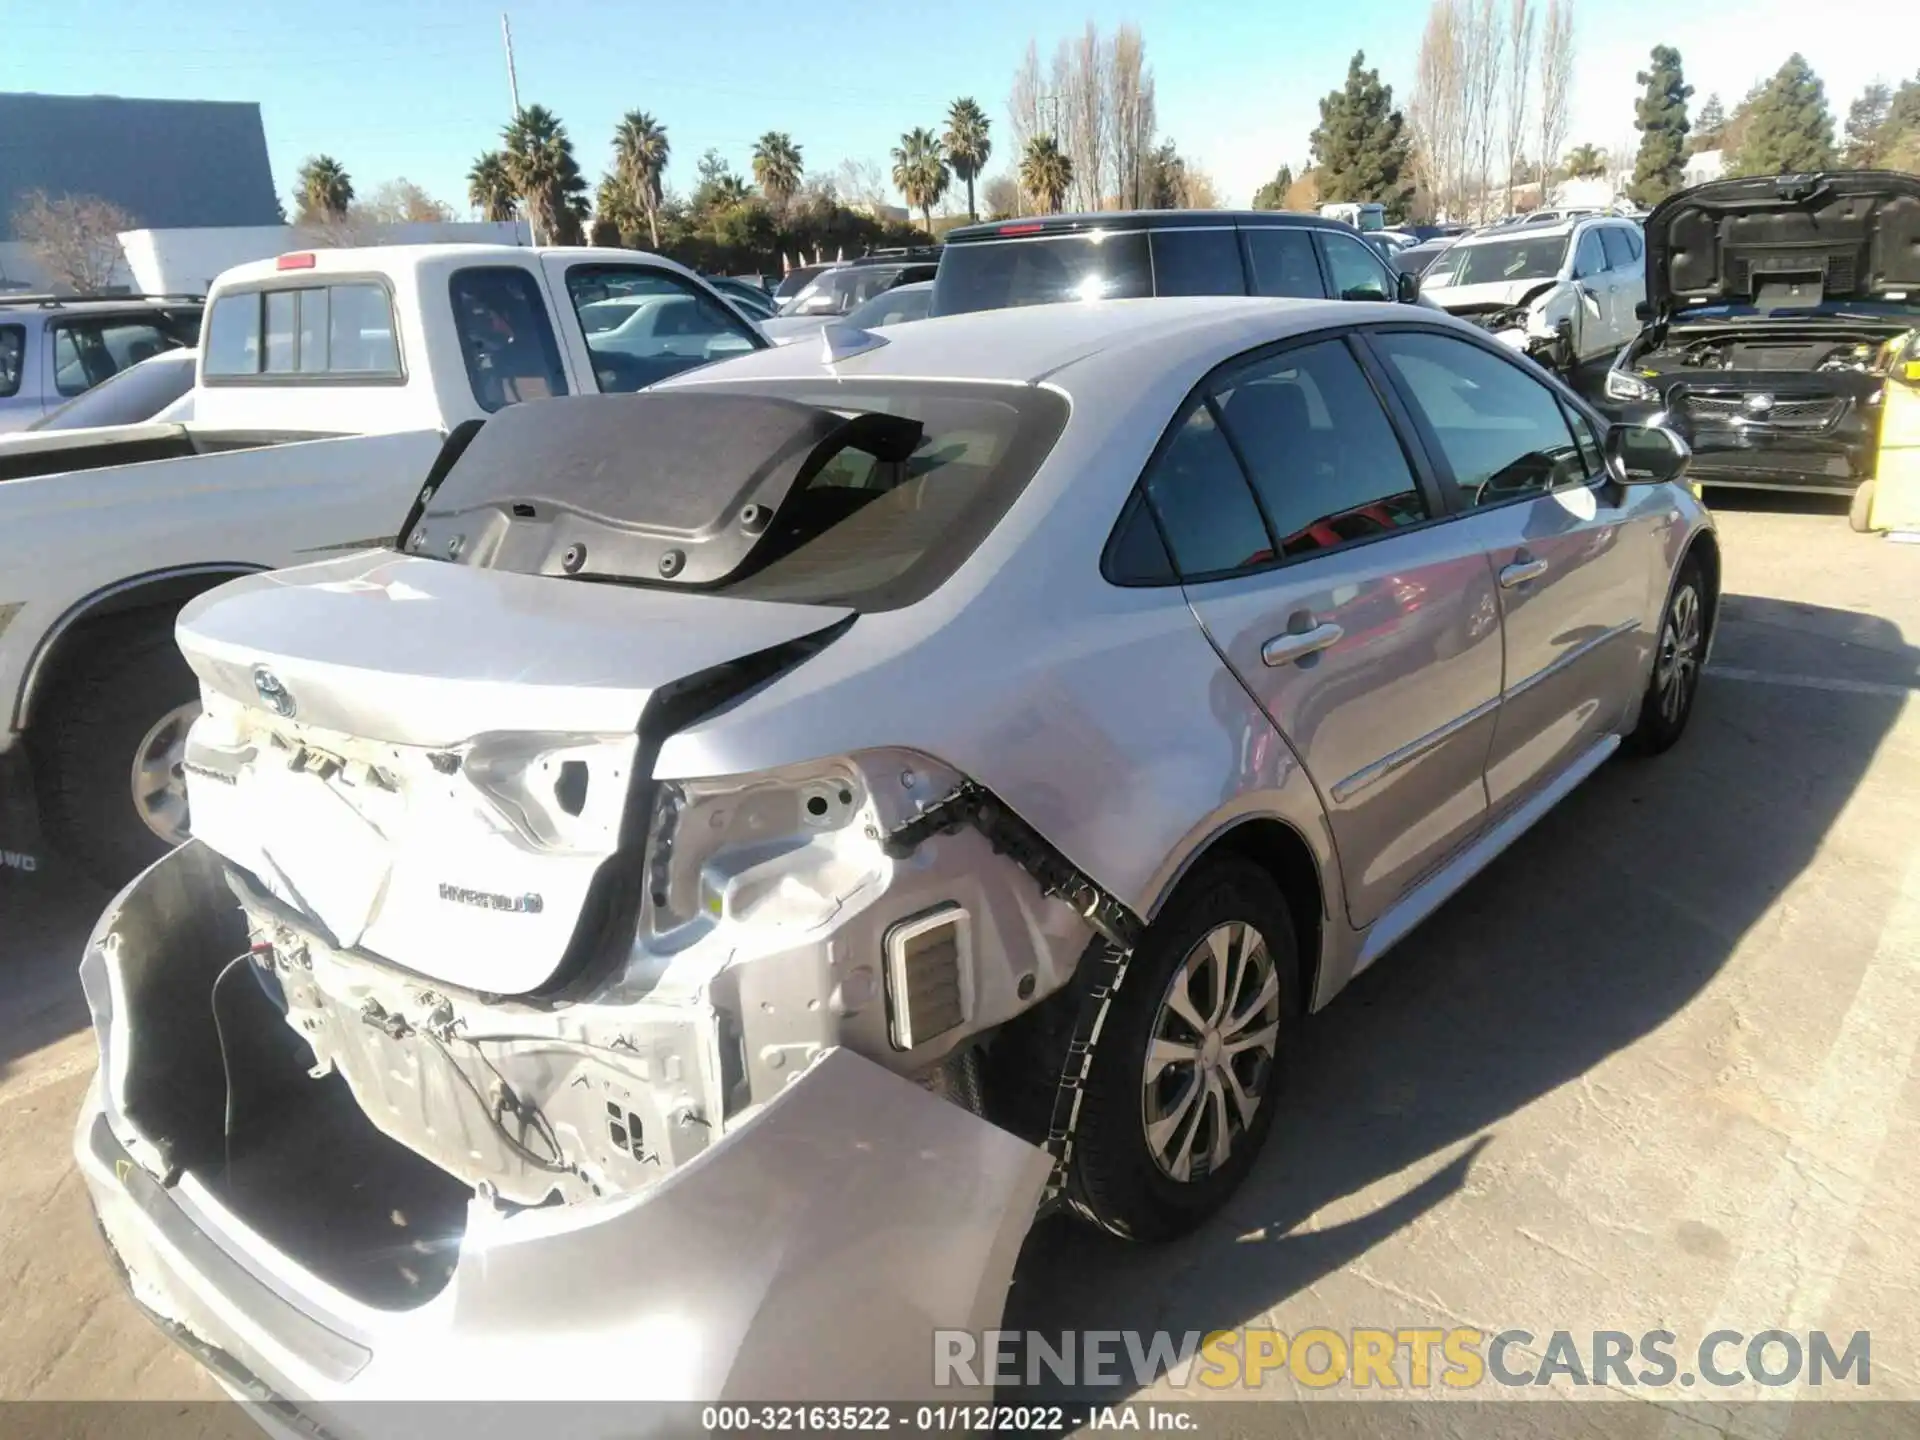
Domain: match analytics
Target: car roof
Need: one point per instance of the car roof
(1028, 225)
(96, 304)
(426, 259)
(1035, 343)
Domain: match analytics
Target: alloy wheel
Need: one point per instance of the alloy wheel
(1210, 1053)
(1678, 670)
(159, 778)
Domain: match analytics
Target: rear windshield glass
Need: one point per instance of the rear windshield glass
(1042, 270)
(1538, 257)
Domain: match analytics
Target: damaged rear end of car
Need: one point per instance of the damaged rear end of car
(462, 1028)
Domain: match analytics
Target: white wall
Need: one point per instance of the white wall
(186, 261)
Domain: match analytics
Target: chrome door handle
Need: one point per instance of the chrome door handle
(1299, 644)
(1520, 572)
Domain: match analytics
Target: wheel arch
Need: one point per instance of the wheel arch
(166, 589)
(1705, 547)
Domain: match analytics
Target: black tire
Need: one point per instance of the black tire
(125, 676)
(1115, 1180)
(1860, 512)
(1662, 722)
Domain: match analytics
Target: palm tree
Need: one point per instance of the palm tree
(544, 172)
(1586, 161)
(640, 153)
(490, 188)
(776, 166)
(325, 191)
(968, 147)
(920, 171)
(1046, 172)
(728, 191)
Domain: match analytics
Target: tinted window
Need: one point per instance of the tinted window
(505, 336)
(1619, 253)
(893, 307)
(86, 352)
(1196, 262)
(1633, 242)
(1206, 511)
(1587, 440)
(13, 349)
(137, 393)
(1284, 263)
(1319, 448)
(1357, 273)
(1591, 257)
(643, 325)
(1042, 270)
(1502, 432)
(1136, 555)
(344, 329)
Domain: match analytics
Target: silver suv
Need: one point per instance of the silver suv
(54, 348)
(755, 838)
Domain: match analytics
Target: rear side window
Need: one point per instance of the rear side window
(1590, 258)
(506, 339)
(1319, 448)
(1042, 270)
(1196, 262)
(87, 352)
(1283, 263)
(1200, 495)
(296, 332)
(1620, 254)
(13, 349)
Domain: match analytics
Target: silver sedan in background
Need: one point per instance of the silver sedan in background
(754, 840)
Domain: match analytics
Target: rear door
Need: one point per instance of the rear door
(1598, 324)
(1314, 552)
(1626, 263)
(1571, 558)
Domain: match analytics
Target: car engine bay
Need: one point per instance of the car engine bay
(1800, 353)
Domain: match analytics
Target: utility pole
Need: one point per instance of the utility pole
(513, 83)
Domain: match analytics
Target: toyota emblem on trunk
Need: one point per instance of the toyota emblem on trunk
(274, 695)
(1759, 406)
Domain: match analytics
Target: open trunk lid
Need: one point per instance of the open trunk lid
(1786, 240)
(434, 762)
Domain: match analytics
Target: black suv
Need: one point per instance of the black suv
(1132, 254)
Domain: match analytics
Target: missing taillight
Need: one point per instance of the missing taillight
(570, 790)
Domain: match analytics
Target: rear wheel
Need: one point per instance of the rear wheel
(1679, 653)
(1186, 1075)
(1860, 512)
(111, 742)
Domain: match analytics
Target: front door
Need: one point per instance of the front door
(1570, 554)
(1314, 555)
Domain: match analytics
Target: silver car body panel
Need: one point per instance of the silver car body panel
(747, 1029)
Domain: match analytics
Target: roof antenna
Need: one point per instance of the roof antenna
(838, 341)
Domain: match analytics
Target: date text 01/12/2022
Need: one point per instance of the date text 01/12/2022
(943, 1419)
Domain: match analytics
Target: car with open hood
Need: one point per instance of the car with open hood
(1562, 289)
(659, 928)
(1775, 307)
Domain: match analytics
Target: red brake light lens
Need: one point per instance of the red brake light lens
(300, 260)
(1032, 227)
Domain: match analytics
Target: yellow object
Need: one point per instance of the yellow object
(1896, 487)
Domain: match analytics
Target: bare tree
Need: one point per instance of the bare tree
(1001, 196)
(1088, 112)
(1438, 117)
(401, 202)
(1519, 78)
(1486, 49)
(1023, 101)
(862, 184)
(1130, 118)
(1556, 87)
(76, 238)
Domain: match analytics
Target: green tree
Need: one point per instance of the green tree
(1273, 194)
(920, 172)
(618, 216)
(1866, 124)
(1900, 135)
(324, 191)
(1709, 126)
(640, 154)
(1789, 127)
(967, 144)
(776, 167)
(1166, 180)
(1586, 162)
(1046, 173)
(1361, 146)
(540, 160)
(1660, 115)
(490, 188)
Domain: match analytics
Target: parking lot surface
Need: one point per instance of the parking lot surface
(1655, 1069)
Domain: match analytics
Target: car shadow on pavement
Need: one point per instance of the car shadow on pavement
(1597, 927)
(44, 922)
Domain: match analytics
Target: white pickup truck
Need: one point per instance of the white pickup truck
(328, 383)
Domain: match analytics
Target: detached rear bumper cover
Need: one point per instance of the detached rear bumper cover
(807, 1254)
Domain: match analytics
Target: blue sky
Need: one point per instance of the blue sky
(417, 88)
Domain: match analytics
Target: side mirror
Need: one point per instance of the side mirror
(1406, 288)
(1646, 454)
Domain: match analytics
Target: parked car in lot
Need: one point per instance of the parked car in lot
(898, 306)
(659, 896)
(152, 389)
(796, 280)
(1131, 255)
(1416, 259)
(326, 382)
(1562, 291)
(838, 289)
(54, 348)
(750, 299)
(1775, 307)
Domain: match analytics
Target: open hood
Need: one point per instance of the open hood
(436, 763)
(1786, 240)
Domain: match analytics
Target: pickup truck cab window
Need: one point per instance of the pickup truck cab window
(642, 324)
(506, 339)
(292, 333)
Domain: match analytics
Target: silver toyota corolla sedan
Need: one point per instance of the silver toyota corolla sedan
(663, 928)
